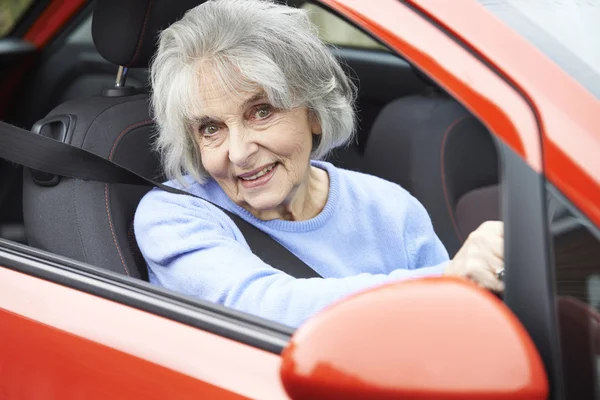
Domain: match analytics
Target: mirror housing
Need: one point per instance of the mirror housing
(435, 338)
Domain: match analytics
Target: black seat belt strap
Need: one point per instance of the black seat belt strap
(47, 155)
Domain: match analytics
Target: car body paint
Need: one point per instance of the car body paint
(66, 336)
(81, 331)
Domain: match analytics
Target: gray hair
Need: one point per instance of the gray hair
(245, 43)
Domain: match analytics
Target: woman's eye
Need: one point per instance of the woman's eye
(263, 112)
(210, 130)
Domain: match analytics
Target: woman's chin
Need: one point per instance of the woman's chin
(266, 197)
(264, 202)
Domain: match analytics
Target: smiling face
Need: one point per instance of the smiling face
(258, 154)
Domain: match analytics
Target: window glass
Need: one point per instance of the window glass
(334, 30)
(10, 13)
(83, 33)
(576, 247)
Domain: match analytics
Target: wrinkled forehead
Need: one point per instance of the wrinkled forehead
(217, 91)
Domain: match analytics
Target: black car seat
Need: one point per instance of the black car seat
(435, 149)
(91, 221)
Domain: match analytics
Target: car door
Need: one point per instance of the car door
(523, 146)
(551, 232)
(68, 330)
(471, 79)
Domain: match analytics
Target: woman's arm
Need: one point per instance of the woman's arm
(190, 250)
(423, 247)
(480, 258)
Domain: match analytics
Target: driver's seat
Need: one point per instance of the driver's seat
(91, 221)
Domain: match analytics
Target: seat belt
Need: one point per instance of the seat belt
(51, 156)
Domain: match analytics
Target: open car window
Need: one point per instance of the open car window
(370, 68)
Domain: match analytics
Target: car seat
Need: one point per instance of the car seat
(441, 154)
(91, 221)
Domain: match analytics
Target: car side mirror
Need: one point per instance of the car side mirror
(436, 338)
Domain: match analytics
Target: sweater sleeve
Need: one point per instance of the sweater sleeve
(193, 248)
(423, 247)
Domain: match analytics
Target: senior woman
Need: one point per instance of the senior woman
(246, 98)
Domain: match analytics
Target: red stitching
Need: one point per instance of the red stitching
(106, 190)
(140, 40)
(443, 174)
(118, 139)
(112, 230)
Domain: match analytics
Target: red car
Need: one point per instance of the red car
(475, 107)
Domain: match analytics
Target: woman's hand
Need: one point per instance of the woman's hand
(481, 257)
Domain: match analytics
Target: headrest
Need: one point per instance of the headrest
(125, 32)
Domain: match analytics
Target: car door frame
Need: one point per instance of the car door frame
(521, 152)
(42, 294)
(529, 276)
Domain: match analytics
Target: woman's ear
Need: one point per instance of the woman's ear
(315, 124)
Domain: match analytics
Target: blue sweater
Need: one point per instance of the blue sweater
(370, 232)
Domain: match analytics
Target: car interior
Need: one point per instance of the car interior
(89, 89)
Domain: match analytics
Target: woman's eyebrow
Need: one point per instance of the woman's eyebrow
(261, 96)
(203, 120)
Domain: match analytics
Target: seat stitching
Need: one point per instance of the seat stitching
(83, 142)
(443, 175)
(112, 230)
(126, 130)
(77, 224)
(106, 190)
(141, 39)
(106, 110)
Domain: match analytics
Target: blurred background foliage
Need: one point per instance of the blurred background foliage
(10, 13)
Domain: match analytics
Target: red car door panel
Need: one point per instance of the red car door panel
(57, 342)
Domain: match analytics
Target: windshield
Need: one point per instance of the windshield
(567, 31)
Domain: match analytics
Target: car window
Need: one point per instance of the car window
(10, 13)
(576, 250)
(335, 31)
(567, 31)
(83, 33)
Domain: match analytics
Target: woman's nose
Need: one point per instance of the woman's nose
(241, 147)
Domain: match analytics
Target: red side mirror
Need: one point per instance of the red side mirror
(438, 338)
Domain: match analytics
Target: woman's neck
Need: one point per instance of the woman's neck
(306, 201)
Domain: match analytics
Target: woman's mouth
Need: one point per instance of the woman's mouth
(258, 178)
